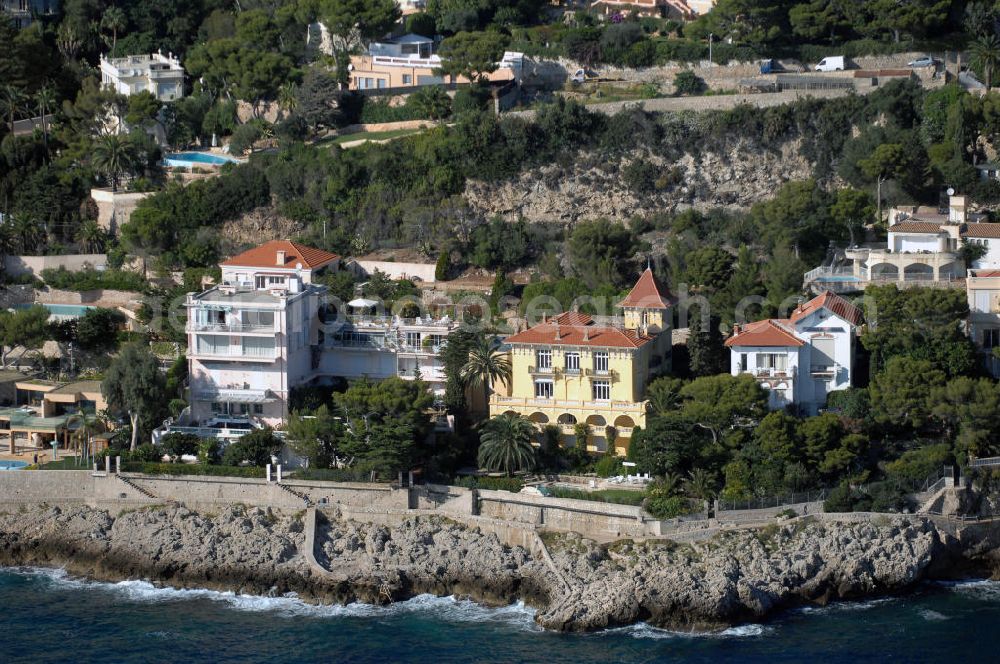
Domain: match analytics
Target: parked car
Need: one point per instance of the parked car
(831, 63)
(769, 66)
(923, 61)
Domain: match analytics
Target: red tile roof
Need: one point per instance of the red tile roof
(587, 334)
(768, 332)
(573, 318)
(915, 227)
(982, 229)
(831, 302)
(986, 273)
(266, 255)
(647, 293)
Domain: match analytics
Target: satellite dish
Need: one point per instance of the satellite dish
(950, 191)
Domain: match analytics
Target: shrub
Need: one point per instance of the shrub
(615, 496)
(470, 98)
(376, 111)
(441, 267)
(511, 484)
(663, 506)
(335, 474)
(688, 83)
(640, 176)
(191, 469)
(256, 447)
(608, 466)
(178, 444)
(90, 279)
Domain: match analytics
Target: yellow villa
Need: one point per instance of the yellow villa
(569, 370)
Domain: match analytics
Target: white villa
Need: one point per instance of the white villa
(922, 249)
(159, 74)
(802, 358)
(983, 290)
(411, 61)
(266, 329)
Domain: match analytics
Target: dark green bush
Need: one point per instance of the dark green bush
(511, 484)
(335, 474)
(615, 496)
(688, 83)
(150, 468)
(91, 279)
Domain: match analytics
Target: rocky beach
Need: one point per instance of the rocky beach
(577, 584)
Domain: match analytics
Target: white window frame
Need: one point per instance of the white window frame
(602, 362)
(543, 358)
(544, 386)
(572, 362)
(600, 390)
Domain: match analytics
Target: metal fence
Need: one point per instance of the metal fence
(773, 501)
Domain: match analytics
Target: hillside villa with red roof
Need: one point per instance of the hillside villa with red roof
(922, 248)
(258, 334)
(570, 371)
(799, 360)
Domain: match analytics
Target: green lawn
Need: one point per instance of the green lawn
(368, 136)
(64, 463)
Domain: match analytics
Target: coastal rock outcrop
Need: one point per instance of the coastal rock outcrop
(738, 575)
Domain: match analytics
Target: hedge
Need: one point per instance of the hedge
(512, 484)
(334, 474)
(192, 469)
(616, 496)
(91, 279)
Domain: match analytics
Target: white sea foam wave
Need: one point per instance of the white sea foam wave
(445, 608)
(647, 631)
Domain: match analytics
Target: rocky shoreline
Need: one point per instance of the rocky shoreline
(738, 576)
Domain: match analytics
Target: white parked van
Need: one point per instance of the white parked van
(831, 63)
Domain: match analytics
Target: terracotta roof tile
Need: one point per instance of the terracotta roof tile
(266, 255)
(986, 273)
(768, 332)
(915, 227)
(573, 318)
(982, 229)
(833, 303)
(598, 336)
(647, 293)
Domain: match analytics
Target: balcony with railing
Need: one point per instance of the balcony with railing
(250, 353)
(234, 327)
(569, 404)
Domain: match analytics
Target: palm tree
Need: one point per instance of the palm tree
(505, 444)
(12, 100)
(114, 21)
(46, 99)
(88, 425)
(26, 232)
(701, 485)
(664, 395)
(91, 237)
(985, 55)
(113, 157)
(485, 366)
(288, 97)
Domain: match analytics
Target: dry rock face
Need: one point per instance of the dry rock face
(590, 187)
(739, 575)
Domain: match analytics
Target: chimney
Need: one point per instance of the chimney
(557, 331)
(956, 210)
(586, 334)
(281, 257)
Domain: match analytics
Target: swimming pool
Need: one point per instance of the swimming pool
(192, 159)
(61, 311)
(12, 465)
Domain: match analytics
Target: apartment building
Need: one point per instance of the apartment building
(161, 75)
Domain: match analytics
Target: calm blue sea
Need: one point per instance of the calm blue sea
(47, 616)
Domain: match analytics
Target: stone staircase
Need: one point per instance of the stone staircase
(292, 492)
(135, 487)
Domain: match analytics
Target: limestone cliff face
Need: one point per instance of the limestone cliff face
(593, 187)
(739, 575)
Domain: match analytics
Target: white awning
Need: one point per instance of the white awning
(362, 303)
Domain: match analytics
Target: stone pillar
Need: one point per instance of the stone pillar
(279, 472)
(13, 450)
(268, 473)
(118, 465)
(411, 478)
(107, 464)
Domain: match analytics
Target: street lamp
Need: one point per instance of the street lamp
(710, 38)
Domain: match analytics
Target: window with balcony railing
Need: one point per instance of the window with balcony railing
(601, 362)
(572, 363)
(543, 359)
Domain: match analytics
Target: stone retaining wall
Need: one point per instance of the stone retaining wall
(98, 298)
